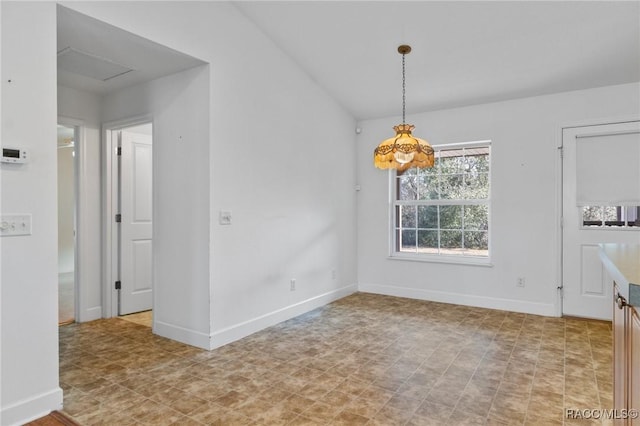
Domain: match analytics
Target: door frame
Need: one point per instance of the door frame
(79, 165)
(110, 202)
(559, 187)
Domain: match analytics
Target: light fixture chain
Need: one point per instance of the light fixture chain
(403, 92)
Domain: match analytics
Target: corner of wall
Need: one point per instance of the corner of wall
(238, 331)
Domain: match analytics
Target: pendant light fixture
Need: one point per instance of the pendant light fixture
(403, 151)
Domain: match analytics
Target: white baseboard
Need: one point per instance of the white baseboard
(90, 314)
(181, 334)
(463, 299)
(32, 408)
(238, 331)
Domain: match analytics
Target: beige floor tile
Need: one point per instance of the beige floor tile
(365, 359)
(462, 418)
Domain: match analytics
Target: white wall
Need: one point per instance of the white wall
(524, 206)
(84, 108)
(66, 202)
(256, 92)
(283, 162)
(281, 159)
(29, 330)
(179, 107)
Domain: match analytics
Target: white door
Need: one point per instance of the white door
(601, 181)
(136, 226)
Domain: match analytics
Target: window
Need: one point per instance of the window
(610, 217)
(443, 211)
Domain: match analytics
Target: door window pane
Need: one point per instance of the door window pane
(594, 217)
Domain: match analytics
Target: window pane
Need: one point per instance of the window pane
(428, 217)
(408, 240)
(477, 164)
(408, 216)
(476, 187)
(428, 241)
(633, 216)
(451, 242)
(450, 217)
(429, 171)
(476, 217)
(451, 187)
(407, 188)
(428, 187)
(611, 213)
(476, 241)
(436, 163)
(451, 161)
(592, 216)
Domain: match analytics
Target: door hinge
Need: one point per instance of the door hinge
(118, 218)
(118, 285)
(119, 150)
(561, 149)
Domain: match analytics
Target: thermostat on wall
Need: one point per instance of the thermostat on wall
(14, 155)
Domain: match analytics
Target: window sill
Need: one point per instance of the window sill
(454, 260)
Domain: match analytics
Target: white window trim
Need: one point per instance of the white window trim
(440, 258)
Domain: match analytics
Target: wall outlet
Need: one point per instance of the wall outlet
(520, 282)
(334, 274)
(293, 284)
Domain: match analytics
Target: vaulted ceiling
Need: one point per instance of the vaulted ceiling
(464, 53)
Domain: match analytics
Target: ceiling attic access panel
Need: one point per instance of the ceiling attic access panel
(100, 58)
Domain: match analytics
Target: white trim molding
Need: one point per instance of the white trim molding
(462, 299)
(22, 411)
(181, 334)
(90, 314)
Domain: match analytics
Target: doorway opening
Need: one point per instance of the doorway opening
(132, 226)
(66, 152)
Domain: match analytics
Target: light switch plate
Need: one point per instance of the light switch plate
(15, 224)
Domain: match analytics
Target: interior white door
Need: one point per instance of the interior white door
(136, 223)
(601, 166)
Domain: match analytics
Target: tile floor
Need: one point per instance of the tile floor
(365, 359)
(66, 311)
(142, 318)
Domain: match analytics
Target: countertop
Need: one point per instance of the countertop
(622, 261)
